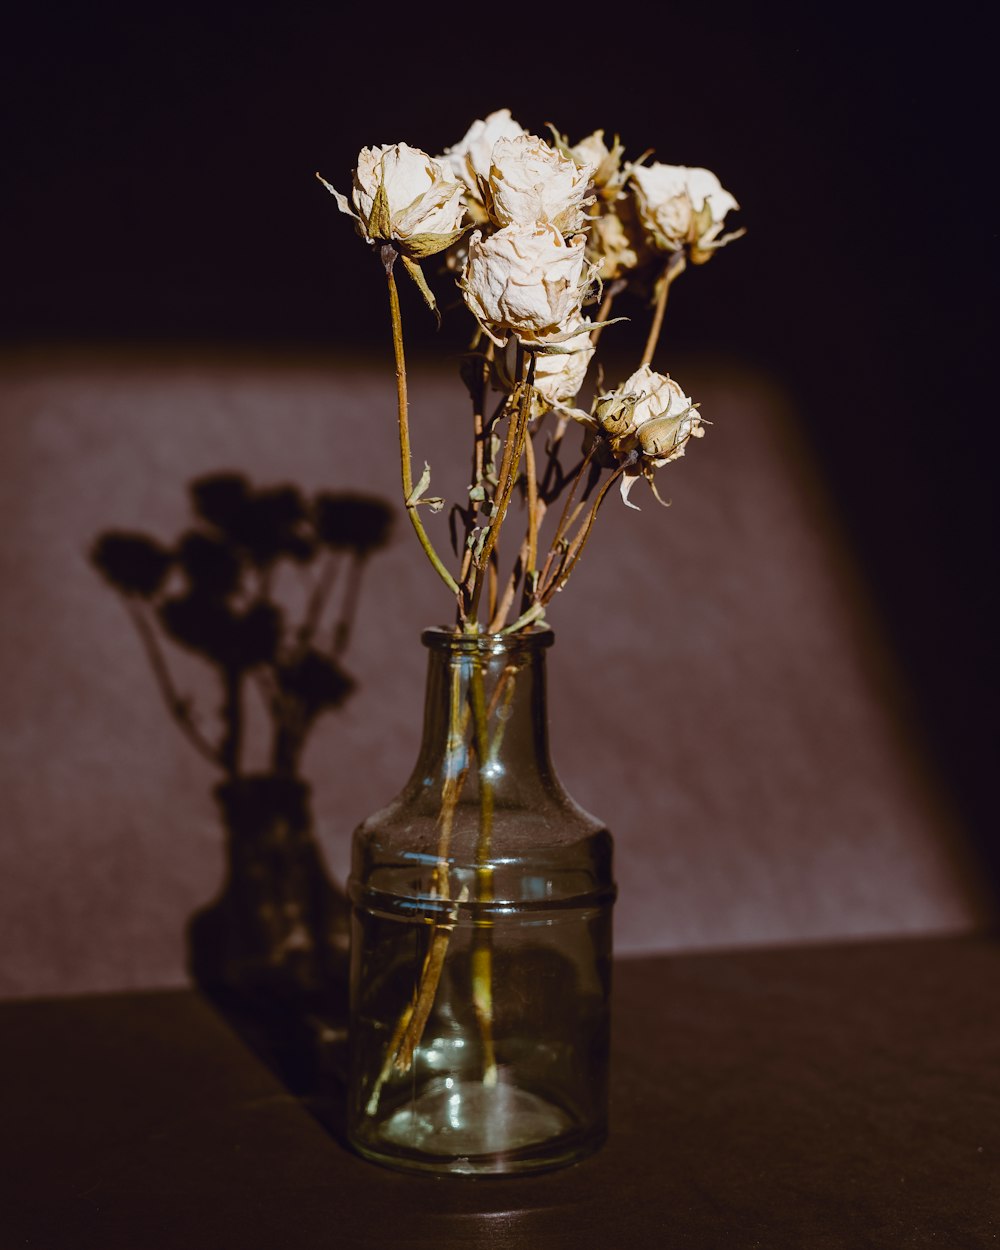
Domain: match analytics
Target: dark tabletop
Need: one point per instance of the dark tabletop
(810, 1097)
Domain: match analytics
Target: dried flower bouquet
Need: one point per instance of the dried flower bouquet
(541, 237)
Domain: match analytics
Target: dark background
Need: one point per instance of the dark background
(159, 189)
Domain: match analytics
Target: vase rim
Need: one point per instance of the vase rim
(450, 638)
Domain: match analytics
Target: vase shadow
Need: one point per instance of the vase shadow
(263, 589)
(270, 951)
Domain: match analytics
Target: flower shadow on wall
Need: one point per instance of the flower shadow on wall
(264, 588)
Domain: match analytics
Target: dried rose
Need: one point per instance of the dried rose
(527, 281)
(681, 206)
(648, 421)
(404, 197)
(530, 183)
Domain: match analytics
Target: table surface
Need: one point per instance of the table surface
(807, 1097)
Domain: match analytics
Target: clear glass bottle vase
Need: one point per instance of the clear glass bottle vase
(481, 935)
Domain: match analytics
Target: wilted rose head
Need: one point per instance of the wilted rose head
(530, 183)
(647, 422)
(527, 281)
(681, 206)
(404, 197)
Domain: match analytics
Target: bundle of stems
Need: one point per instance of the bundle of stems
(531, 582)
(537, 575)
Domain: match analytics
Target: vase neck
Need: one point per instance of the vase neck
(485, 713)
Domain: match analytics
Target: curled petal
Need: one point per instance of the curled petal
(629, 479)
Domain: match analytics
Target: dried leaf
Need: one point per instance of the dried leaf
(416, 496)
(421, 245)
(416, 273)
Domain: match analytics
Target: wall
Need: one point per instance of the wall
(722, 693)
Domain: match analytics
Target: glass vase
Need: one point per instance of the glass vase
(481, 935)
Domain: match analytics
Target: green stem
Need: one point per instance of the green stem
(482, 938)
(513, 449)
(404, 436)
(673, 269)
(531, 560)
(409, 1030)
(532, 614)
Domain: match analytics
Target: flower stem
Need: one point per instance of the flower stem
(409, 1030)
(482, 937)
(410, 1027)
(478, 466)
(575, 549)
(673, 269)
(531, 474)
(525, 566)
(404, 437)
(513, 448)
(532, 614)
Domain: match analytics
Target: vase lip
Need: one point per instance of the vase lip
(451, 638)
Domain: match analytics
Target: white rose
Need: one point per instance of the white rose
(403, 196)
(679, 205)
(559, 376)
(530, 182)
(469, 159)
(527, 281)
(650, 419)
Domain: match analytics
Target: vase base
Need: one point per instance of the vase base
(468, 1128)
